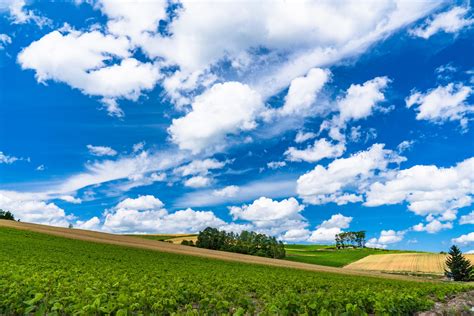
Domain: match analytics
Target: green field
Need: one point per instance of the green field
(329, 256)
(45, 274)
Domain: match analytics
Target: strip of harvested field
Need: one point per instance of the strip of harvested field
(178, 240)
(431, 263)
(143, 243)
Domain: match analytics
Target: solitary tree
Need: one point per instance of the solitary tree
(6, 215)
(458, 267)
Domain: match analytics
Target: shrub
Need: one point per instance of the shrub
(187, 243)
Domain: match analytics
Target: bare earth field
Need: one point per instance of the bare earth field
(143, 243)
(430, 263)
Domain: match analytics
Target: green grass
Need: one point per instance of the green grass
(329, 256)
(42, 274)
(160, 237)
(307, 247)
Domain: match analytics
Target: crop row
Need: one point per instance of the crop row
(44, 274)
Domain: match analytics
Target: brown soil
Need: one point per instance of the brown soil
(137, 242)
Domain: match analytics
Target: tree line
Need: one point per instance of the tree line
(350, 239)
(247, 242)
(6, 215)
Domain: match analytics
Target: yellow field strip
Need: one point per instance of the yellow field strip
(403, 262)
(137, 242)
(172, 235)
(178, 240)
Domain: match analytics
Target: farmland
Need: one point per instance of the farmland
(328, 256)
(173, 238)
(430, 263)
(42, 274)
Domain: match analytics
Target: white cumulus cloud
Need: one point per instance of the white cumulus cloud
(271, 216)
(82, 61)
(303, 92)
(200, 167)
(146, 214)
(444, 103)
(19, 14)
(464, 239)
(225, 109)
(359, 102)
(451, 21)
(264, 209)
(386, 238)
(432, 227)
(228, 191)
(427, 189)
(301, 136)
(90, 224)
(144, 202)
(327, 231)
(329, 184)
(276, 164)
(198, 182)
(33, 208)
(467, 219)
(296, 234)
(319, 150)
(4, 40)
(6, 159)
(101, 150)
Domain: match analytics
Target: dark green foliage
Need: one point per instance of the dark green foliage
(350, 239)
(187, 243)
(44, 274)
(246, 242)
(459, 268)
(6, 215)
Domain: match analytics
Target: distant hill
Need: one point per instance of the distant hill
(330, 256)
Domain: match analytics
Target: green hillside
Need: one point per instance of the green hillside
(329, 256)
(43, 274)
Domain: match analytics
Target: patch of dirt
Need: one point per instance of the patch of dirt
(461, 304)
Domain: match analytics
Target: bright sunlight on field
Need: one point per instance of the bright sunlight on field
(404, 262)
(44, 274)
(328, 256)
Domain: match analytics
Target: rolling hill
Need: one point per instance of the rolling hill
(429, 263)
(48, 270)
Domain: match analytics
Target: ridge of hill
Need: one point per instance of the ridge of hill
(143, 243)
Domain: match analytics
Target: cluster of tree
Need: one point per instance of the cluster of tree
(188, 243)
(6, 215)
(458, 267)
(246, 242)
(350, 239)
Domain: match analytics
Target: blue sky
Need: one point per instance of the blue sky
(296, 119)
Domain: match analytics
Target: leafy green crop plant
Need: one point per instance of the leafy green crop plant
(43, 274)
